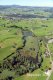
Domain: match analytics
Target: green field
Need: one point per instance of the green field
(23, 44)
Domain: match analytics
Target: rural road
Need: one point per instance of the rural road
(51, 63)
